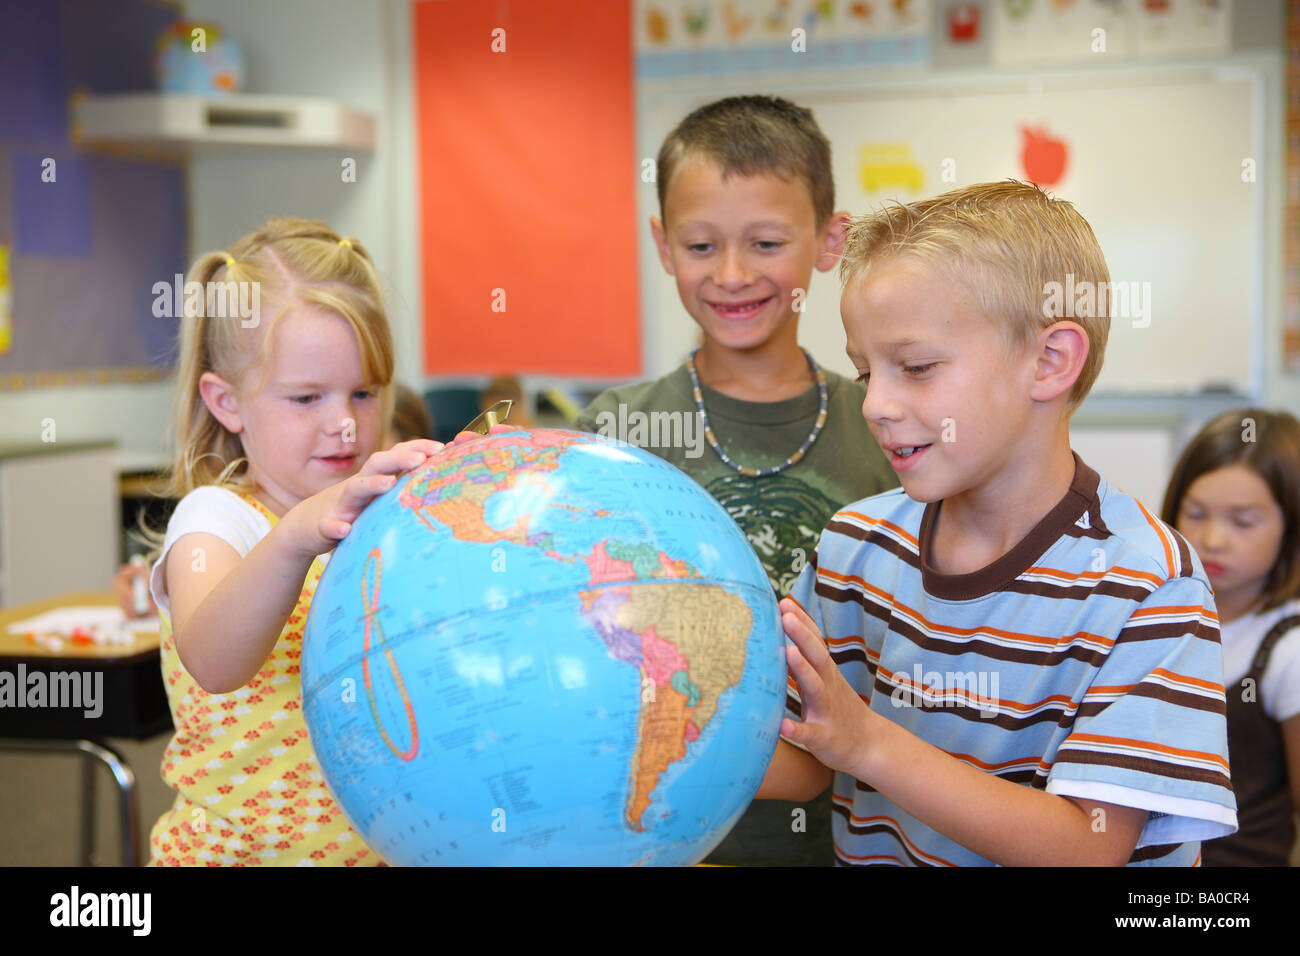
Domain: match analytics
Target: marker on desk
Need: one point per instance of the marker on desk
(139, 589)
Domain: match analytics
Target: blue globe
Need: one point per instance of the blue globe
(544, 648)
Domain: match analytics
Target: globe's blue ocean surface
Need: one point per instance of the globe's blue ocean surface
(545, 648)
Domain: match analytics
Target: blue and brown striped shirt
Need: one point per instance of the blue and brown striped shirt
(1085, 662)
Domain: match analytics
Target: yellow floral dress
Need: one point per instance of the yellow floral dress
(249, 791)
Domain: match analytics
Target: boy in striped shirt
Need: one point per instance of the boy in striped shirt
(1021, 664)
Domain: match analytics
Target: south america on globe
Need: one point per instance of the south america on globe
(544, 648)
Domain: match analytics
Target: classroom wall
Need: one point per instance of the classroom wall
(366, 60)
(362, 56)
(908, 102)
(1134, 440)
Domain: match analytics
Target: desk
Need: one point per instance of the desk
(134, 705)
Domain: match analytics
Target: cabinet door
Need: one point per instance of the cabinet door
(59, 524)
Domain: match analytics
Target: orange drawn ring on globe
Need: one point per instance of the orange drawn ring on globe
(370, 602)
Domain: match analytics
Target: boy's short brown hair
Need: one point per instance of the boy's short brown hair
(752, 135)
(1268, 443)
(1013, 246)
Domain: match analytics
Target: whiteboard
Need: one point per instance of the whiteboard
(1157, 161)
(1136, 459)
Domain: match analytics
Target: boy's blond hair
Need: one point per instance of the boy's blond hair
(292, 262)
(1008, 242)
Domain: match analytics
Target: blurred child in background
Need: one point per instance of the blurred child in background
(507, 387)
(410, 416)
(1235, 496)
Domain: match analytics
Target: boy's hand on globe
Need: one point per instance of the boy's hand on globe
(835, 718)
(325, 518)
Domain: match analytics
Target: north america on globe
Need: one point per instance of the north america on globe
(652, 631)
(476, 608)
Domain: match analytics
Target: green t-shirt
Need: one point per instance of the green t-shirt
(782, 515)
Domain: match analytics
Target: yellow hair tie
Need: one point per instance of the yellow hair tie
(229, 261)
(346, 242)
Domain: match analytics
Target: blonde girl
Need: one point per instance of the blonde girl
(280, 412)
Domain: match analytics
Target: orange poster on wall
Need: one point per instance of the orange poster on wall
(527, 166)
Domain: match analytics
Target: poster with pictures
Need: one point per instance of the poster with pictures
(1031, 32)
(678, 37)
(1291, 240)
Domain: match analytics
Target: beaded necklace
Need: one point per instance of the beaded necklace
(793, 459)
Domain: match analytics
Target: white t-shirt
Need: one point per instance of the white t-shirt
(1279, 687)
(210, 510)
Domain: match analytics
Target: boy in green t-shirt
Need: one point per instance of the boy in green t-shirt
(746, 197)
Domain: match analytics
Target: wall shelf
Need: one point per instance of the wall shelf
(180, 121)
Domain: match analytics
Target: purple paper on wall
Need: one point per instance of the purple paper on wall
(91, 234)
(109, 47)
(51, 195)
(33, 93)
(98, 312)
(152, 198)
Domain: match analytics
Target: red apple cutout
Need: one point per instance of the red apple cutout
(963, 22)
(1043, 157)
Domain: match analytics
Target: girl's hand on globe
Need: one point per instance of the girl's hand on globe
(324, 519)
(835, 719)
(402, 457)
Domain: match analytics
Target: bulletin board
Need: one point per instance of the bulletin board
(527, 170)
(1291, 239)
(84, 233)
(1162, 162)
